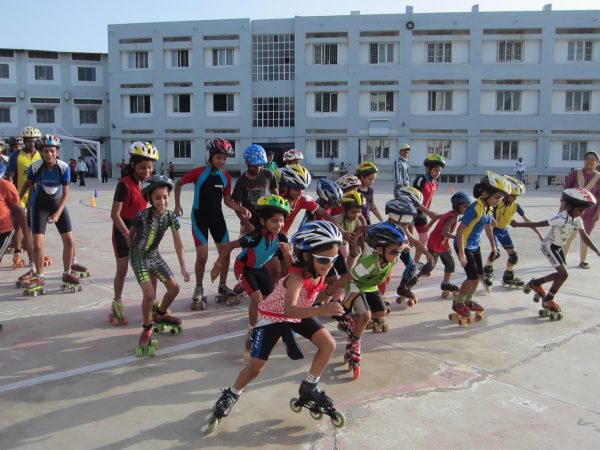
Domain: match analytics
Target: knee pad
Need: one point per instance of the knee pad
(513, 258)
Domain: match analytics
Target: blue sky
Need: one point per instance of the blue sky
(80, 25)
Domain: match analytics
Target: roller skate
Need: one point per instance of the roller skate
(239, 290)
(117, 316)
(378, 325)
(550, 309)
(227, 296)
(346, 323)
(146, 345)
(352, 356)
(10, 250)
(248, 343)
(488, 278)
(25, 278)
(221, 409)
(165, 323)
(405, 293)
(476, 308)
(79, 270)
(35, 286)
(199, 300)
(510, 281)
(47, 261)
(70, 283)
(318, 403)
(18, 261)
(388, 305)
(462, 314)
(448, 288)
(538, 289)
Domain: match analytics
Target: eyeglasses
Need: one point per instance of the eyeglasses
(325, 259)
(395, 252)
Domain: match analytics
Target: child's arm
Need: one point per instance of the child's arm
(178, 209)
(287, 260)
(236, 207)
(461, 244)
(419, 246)
(489, 231)
(179, 250)
(224, 253)
(586, 239)
(294, 285)
(447, 227)
(27, 186)
(375, 210)
(63, 202)
(542, 223)
(535, 230)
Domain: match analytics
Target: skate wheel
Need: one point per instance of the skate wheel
(478, 316)
(542, 313)
(151, 351)
(173, 331)
(210, 427)
(356, 373)
(154, 343)
(316, 414)
(338, 420)
(445, 294)
(156, 329)
(410, 302)
(295, 405)
(385, 328)
(462, 322)
(399, 300)
(559, 316)
(536, 299)
(138, 351)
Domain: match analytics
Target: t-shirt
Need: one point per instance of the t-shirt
(368, 274)
(259, 247)
(505, 212)
(366, 210)
(347, 225)
(19, 163)
(9, 198)
(272, 166)
(247, 191)
(562, 226)
(150, 229)
(427, 186)
(304, 202)
(129, 193)
(209, 189)
(437, 242)
(49, 180)
(476, 217)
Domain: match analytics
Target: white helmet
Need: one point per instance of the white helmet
(295, 177)
(348, 181)
(292, 155)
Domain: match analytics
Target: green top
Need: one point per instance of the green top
(368, 274)
(272, 166)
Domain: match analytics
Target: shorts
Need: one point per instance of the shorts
(553, 253)
(474, 267)
(253, 278)
(362, 302)
(502, 236)
(145, 264)
(120, 247)
(264, 338)
(201, 227)
(5, 240)
(43, 206)
(447, 260)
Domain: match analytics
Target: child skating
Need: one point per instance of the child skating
(367, 173)
(146, 232)
(576, 201)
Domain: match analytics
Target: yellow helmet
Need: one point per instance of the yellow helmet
(31, 132)
(495, 182)
(517, 187)
(353, 199)
(366, 168)
(145, 149)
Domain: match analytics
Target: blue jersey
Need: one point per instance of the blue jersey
(476, 217)
(49, 181)
(259, 247)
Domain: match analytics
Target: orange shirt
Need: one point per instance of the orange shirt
(9, 198)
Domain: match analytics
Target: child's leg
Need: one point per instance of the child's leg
(68, 247)
(423, 237)
(148, 297)
(249, 373)
(255, 299)
(5, 240)
(119, 280)
(583, 252)
(224, 265)
(38, 252)
(560, 277)
(201, 257)
(172, 292)
(325, 347)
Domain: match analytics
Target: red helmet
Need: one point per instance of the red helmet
(219, 145)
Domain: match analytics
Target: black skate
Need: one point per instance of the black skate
(318, 403)
(227, 296)
(488, 278)
(510, 281)
(404, 293)
(221, 409)
(199, 300)
(448, 288)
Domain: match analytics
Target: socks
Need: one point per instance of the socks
(235, 391)
(66, 272)
(74, 261)
(312, 379)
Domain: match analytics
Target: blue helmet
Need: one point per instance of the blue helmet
(384, 234)
(329, 191)
(255, 155)
(460, 198)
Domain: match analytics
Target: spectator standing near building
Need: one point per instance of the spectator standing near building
(401, 178)
(171, 169)
(104, 170)
(82, 169)
(520, 169)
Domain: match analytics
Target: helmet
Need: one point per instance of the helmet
(255, 155)
(434, 160)
(313, 235)
(366, 168)
(495, 183)
(49, 140)
(292, 155)
(384, 234)
(144, 149)
(273, 202)
(353, 199)
(516, 186)
(219, 145)
(154, 182)
(402, 206)
(460, 198)
(30, 132)
(348, 181)
(405, 146)
(295, 177)
(329, 191)
(15, 140)
(415, 195)
(578, 197)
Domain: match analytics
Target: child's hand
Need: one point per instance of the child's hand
(178, 211)
(513, 223)
(245, 213)
(463, 259)
(186, 275)
(215, 271)
(331, 309)
(285, 248)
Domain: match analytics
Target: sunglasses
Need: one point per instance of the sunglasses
(325, 259)
(395, 252)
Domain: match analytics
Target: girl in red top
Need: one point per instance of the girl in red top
(128, 200)
(288, 310)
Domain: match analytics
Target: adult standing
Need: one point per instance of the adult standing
(81, 170)
(104, 170)
(520, 169)
(401, 178)
(73, 168)
(171, 169)
(588, 178)
(122, 167)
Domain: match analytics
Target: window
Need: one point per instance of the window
(4, 115)
(439, 101)
(182, 149)
(182, 103)
(439, 52)
(223, 103)
(273, 57)
(222, 57)
(381, 102)
(439, 147)
(326, 102)
(577, 101)
(44, 115)
(138, 60)
(273, 112)
(88, 116)
(325, 54)
(508, 101)
(180, 58)
(4, 72)
(139, 104)
(86, 73)
(574, 150)
(44, 73)
(327, 148)
(381, 53)
(509, 51)
(379, 148)
(506, 150)
(579, 51)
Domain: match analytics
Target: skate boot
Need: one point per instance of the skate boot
(476, 308)
(462, 314)
(47, 261)
(146, 345)
(79, 270)
(318, 403)
(35, 286)
(221, 409)
(17, 261)
(538, 289)
(117, 316)
(346, 323)
(70, 283)
(25, 278)
(388, 305)
(352, 356)
(378, 325)
(165, 322)
(199, 300)
(488, 278)
(227, 296)
(448, 288)
(509, 280)
(404, 292)
(550, 309)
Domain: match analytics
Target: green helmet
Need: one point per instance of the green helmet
(434, 160)
(275, 203)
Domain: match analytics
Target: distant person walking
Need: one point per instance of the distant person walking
(520, 169)
(82, 169)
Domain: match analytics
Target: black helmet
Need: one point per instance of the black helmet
(154, 182)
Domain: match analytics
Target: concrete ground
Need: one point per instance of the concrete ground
(69, 379)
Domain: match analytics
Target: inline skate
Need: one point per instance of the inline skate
(538, 289)
(117, 316)
(227, 296)
(510, 281)
(221, 409)
(318, 403)
(35, 286)
(199, 300)
(461, 313)
(352, 356)
(488, 278)
(146, 345)
(70, 283)
(165, 323)
(448, 288)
